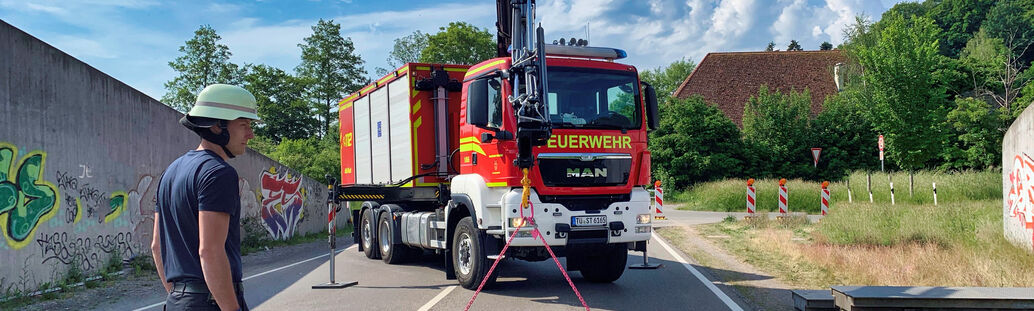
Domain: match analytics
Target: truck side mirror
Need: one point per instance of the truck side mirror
(651, 107)
(477, 103)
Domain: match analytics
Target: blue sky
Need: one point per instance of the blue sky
(133, 40)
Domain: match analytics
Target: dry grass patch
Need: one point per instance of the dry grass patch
(959, 244)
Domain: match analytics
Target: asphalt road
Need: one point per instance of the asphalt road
(284, 283)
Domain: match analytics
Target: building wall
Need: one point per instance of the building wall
(1018, 181)
(80, 158)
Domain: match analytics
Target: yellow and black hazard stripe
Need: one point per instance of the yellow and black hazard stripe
(361, 197)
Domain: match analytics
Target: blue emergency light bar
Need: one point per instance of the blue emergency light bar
(585, 51)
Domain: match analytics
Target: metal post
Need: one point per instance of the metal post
(645, 265)
(892, 193)
(332, 239)
(910, 181)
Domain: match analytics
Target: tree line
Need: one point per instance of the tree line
(298, 129)
(941, 80)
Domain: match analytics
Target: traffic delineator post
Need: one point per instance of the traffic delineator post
(825, 198)
(783, 200)
(332, 210)
(658, 197)
(751, 198)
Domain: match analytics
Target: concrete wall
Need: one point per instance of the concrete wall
(80, 158)
(1018, 181)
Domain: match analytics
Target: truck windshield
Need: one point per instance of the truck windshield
(593, 98)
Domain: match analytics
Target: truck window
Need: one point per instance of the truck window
(593, 98)
(495, 104)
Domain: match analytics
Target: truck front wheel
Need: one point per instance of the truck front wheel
(368, 235)
(606, 266)
(468, 256)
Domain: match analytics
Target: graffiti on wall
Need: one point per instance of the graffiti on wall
(84, 252)
(282, 197)
(1021, 192)
(26, 200)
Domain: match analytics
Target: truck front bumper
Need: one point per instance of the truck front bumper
(619, 222)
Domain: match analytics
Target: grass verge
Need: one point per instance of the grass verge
(730, 195)
(957, 244)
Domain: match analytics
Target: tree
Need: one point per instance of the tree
(694, 143)
(825, 46)
(330, 68)
(204, 61)
(282, 104)
(845, 135)
(958, 21)
(909, 106)
(1011, 21)
(460, 43)
(666, 79)
(770, 47)
(794, 46)
(775, 127)
(978, 127)
(407, 49)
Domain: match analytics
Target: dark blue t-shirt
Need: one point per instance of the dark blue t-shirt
(200, 180)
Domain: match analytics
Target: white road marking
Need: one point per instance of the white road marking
(710, 285)
(436, 299)
(260, 274)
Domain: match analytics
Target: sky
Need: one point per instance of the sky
(133, 40)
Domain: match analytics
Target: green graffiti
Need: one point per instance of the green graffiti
(117, 204)
(26, 200)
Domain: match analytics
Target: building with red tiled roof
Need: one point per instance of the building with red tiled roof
(728, 80)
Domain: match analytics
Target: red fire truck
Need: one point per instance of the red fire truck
(436, 153)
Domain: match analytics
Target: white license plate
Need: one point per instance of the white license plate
(582, 221)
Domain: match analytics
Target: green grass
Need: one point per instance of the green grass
(949, 225)
(730, 195)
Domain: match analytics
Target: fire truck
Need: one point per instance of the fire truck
(437, 154)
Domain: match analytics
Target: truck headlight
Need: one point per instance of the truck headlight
(516, 222)
(642, 229)
(644, 219)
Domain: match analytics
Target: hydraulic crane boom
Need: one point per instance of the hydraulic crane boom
(528, 77)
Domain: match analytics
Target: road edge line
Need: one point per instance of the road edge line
(261, 274)
(436, 299)
(700, 276)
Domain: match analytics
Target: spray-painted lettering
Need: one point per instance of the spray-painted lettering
(1021, 194)
(26, 200)
(281, 203)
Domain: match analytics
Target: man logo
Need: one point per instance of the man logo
(587, 172)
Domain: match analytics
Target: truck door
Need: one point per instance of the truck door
(481, 145)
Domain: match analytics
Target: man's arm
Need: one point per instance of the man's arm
(156, 253)
(213, 227)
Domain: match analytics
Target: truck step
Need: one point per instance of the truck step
(494, 257)
(438, 244)
(438, 225)
(495, 232)
(494, 205)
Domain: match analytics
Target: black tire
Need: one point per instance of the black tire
(368, 235)
(606, 267)
(392, 251)
(468, 256)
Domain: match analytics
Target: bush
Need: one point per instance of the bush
(694, 143)
(775, 130)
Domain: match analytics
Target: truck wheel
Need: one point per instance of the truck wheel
(392, 252)
(468, 256)
(368, 235)
(607, 266)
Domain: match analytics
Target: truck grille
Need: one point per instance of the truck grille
(584, 169)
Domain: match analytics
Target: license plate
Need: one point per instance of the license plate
(583, 221)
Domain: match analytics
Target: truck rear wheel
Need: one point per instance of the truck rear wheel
(468, 256)
(368, 235)
(392, 251)
(606, 266)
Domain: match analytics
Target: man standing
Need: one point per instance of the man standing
(196, 244)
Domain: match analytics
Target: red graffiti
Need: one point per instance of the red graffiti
(1021, 194)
